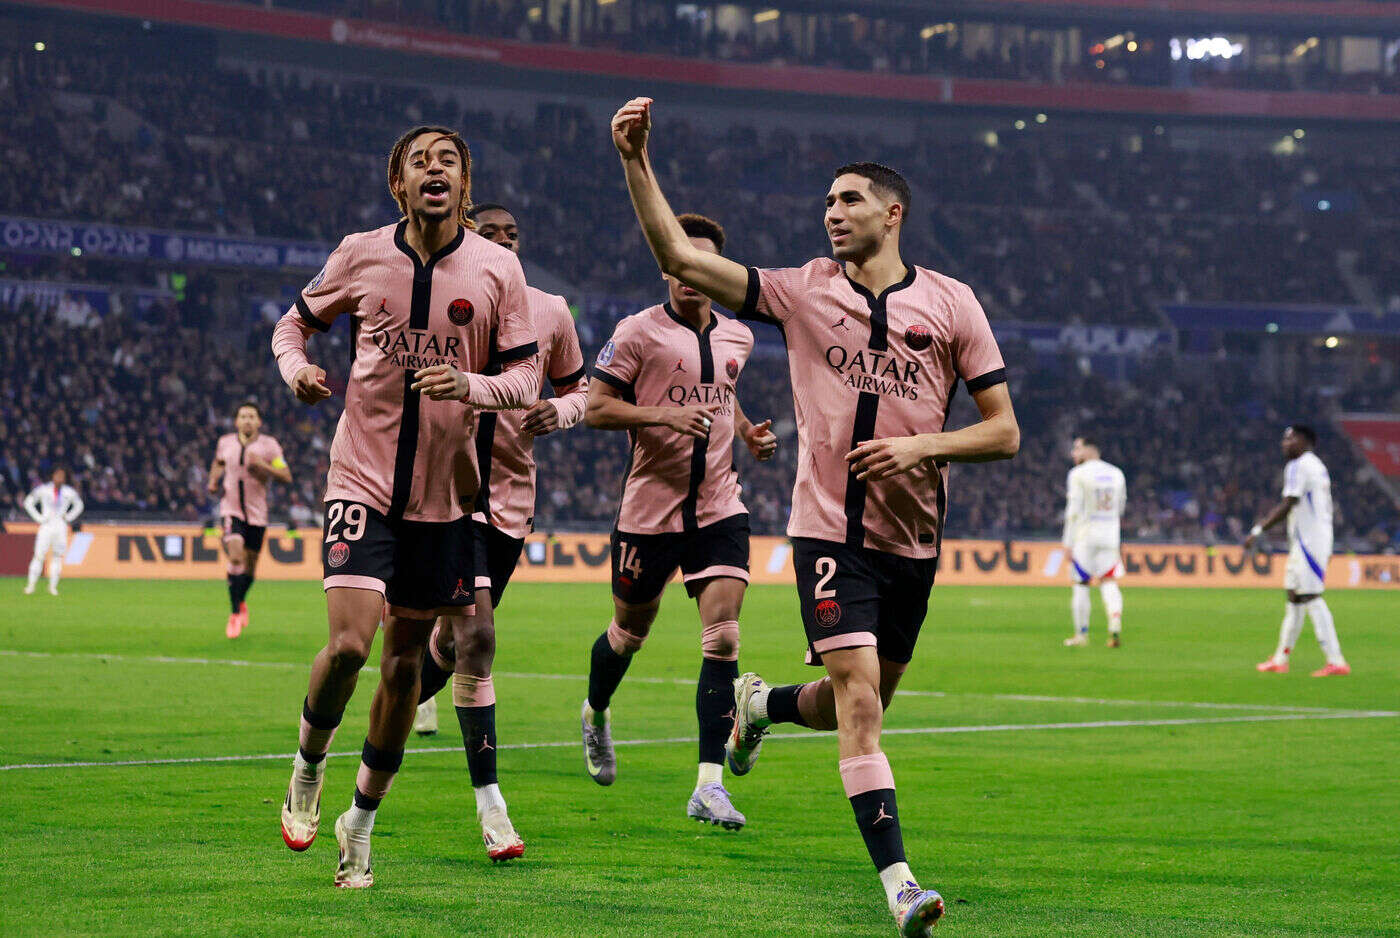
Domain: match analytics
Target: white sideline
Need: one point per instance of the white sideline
(689, 682)
(920, 731)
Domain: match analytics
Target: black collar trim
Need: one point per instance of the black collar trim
(714, 320)
(420, 268)
(872, 299)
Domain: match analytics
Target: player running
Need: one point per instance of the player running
(1307, 503)
(504, 514)
(244, 461)
(667, 376)
(433, 303)
(53, 507)
(875, 348)
(1096, 496)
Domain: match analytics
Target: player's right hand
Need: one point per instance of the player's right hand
(309, 385)
(630, 127)
(213, 487)
(693, 421)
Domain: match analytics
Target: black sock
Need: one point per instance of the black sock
(238, 586)
(877, 816)
(233, 599)
(782, 704)
(247, 585)
(714, 706)
(318, 721)
(479, 739)
(605, 673)
(365, 802)
(433, 678)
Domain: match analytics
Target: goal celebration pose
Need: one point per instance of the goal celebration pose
(463, 647)
(876, 349)
(434, 304)
(667, 376)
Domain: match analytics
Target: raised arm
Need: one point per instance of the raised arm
(719, 278)
(607, 410)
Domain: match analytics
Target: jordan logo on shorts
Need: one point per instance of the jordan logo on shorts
(461, 591)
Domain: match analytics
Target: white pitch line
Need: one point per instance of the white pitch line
(920, 731)
(688, 682)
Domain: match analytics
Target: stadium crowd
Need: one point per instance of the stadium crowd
(1059, 227)
(133, 408)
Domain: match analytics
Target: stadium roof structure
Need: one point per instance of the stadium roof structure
(365, 38)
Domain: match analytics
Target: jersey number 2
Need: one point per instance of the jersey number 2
(826, 569)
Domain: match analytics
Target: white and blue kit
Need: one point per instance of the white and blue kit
(1309, 524)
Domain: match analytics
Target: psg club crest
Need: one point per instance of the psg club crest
(460, 312)
(605, 355)
(338, 554)
(917, 338)
(731, 367)
(828, 612)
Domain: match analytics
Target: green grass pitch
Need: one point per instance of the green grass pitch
(1216, 801)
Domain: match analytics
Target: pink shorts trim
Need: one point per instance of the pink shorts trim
(351, 581)
(483, 582)
(850, 640)
(738, 573)
(860, 774)
(404, 612)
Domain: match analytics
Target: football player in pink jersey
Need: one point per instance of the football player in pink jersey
(667, 376)
(463, 647)
(435, 307)
(876, 349)
(244, 462)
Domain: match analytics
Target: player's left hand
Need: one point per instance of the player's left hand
(879, 459)
(442, 383)
(761, 440)
(256, 467)
(541, 419)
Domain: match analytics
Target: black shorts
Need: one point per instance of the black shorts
(855, 596)
(495, 555)
(643, 563)
(419, 566)
(252, 534)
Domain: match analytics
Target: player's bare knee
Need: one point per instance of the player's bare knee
(348, 651)
(720, 641)
(474, 639)
(399, 670)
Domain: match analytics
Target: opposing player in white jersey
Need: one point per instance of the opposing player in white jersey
(1307, 503)
(1096, 495)
(53, 507)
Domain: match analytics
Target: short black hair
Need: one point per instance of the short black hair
(480, 207)
(1087, 439)
(256, 409)
(1305, 431)
(698, 226)
(883, 180)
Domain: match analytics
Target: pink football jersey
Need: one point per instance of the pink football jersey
(504, 451)
(395, 449)
(245, 495)
(657, 359)
(866, 367)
